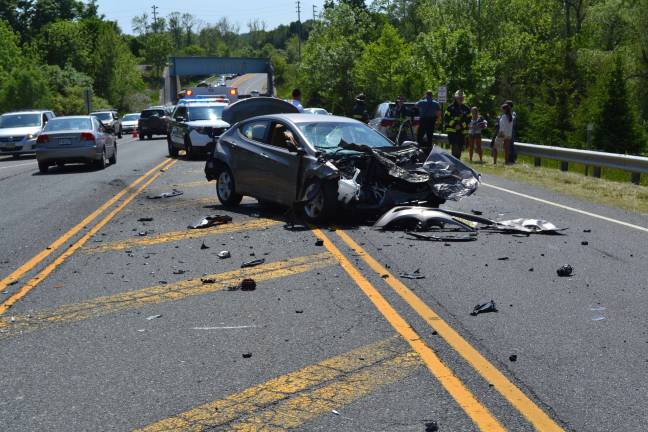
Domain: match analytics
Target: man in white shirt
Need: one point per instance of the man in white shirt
(296, 100)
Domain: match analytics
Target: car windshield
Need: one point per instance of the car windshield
(131, 117)
(326, 136)
(152, 113)
(64, 124)
(205, 113)
(103, 116)
(19, 120)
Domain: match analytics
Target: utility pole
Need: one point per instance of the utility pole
(155, 8)
(314, 12)
(299, 34)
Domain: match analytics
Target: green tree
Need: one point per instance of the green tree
(157, 48)
(617, 128)
(25, 88)
(10, 51)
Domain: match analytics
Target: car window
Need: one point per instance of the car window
(327, 136)
(151, 113)
(103, 116)
(97, 124)
(49, 115)
(205, 113)
(19, 120)
(130, 117)
(279, 134)
(63, 124)
(180, 112)
(255, 130)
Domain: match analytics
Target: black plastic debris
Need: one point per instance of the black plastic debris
(210, 221)
(224, 254)
(179, 272)
(431, 426)
(484, 308)
(203, 246)
(587, 230)
(503, 259)
(171, 194)
(415, 275)
(565, 271)
(253, 263)
(208, 280)
(247, 355)
(477, 212)
(299, 311)
(319, 242)
(584, 243)
(513, 357)
(145, 219)
(248, 284)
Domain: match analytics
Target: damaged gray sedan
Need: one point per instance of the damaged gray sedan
(325, 163)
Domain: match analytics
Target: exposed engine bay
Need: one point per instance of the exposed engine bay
(378, 179)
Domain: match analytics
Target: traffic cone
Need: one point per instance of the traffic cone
(135, 134)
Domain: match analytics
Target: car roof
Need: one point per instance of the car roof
(26, 112)
(88, 117)
(103, 111)
(308, 118)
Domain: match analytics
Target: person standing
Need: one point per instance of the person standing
(296, 100)
(512, 151)
(457, 119)
(359, 110)
(475, 127)
(504, 134)
(429, 116)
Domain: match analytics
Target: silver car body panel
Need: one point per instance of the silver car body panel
(425, 216)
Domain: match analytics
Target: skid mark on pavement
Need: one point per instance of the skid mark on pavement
(293, 399)
(525, 406)
(182, 235)
(13, 326)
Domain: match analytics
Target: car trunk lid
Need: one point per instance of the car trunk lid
(252, 107)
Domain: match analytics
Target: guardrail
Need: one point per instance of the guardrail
(635, 165)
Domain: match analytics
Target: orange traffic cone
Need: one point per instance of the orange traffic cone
(135, 134)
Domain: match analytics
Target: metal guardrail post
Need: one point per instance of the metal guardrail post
(635, 178)
(537, 162)
(596, 172)
(564, 166)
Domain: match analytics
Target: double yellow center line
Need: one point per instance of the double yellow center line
(131, 191)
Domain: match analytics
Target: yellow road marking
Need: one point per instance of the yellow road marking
(333, 382)
(182, 235)
(479, 414)
(572, 209)
(33, 282)
(39, 257)
(534, 414)
(105, 305)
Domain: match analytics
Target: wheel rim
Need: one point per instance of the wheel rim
(224, 186)
(314, 207)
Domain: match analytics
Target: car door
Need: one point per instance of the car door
(280, 167)
(177, 126)
(247, 161)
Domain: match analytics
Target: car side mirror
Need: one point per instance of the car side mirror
(292, 148)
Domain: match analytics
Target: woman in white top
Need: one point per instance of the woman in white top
(504, 138)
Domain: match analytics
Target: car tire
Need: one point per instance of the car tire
(113, 158)
(189, 153)
(43, 167)
(173, 152)
(226, 189)
(140, 134)
(322, 205)
(101, 163)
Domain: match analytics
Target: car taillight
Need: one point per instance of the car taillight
(87, 136)
(42, 139)
(386, 123)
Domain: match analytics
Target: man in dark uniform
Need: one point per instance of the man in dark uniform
(429, 112)
(359, 111)
(457, 119)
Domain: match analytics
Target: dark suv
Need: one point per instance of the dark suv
(153, 121)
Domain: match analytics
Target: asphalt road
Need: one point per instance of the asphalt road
(248, 83)
(125, 324)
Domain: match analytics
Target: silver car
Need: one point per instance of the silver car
(129, 122)
(76, 139)
(110, 118)
(19, 130)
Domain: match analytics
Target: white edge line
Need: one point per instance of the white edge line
(594, 215)
(223, 328)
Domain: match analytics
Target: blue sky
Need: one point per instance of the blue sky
(273, 12)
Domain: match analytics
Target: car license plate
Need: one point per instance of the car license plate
(65, 141)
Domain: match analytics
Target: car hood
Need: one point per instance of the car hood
(21, 131)
(252, 107)
(208, 123)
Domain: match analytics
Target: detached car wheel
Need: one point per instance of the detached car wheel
(226, 189)
(320, 202)
(173, 152)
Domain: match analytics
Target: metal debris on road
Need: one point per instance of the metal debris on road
(152, 317)
(484, 308)
(179, 272)
(416, 275)
(224, 254)
(253, 263)
(208, 280)
(419, 218)
(528, 226)
(210, 221)
(565, 271)
(445, 238)
(142, 233)
(171, 194)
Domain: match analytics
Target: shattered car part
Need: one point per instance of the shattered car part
(349, 189)
(420, 217)
(429, 237)
(253, 263)
(528, 226)
(565, 271)
(248, 284)
(484, 308)
(451, 179)
(224, 254)
(171, 194)
(210, 221)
